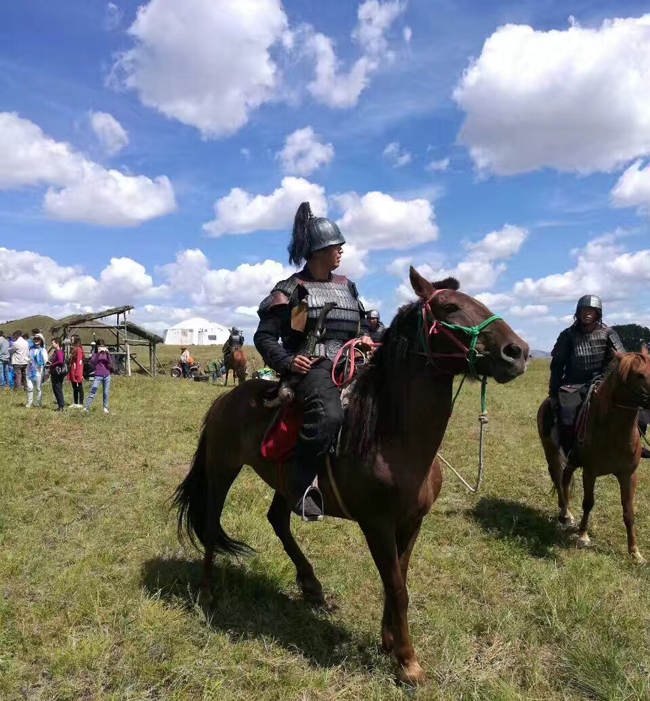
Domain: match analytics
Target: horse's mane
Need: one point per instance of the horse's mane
(617, 374)
(374, 386)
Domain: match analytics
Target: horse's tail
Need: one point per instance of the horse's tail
(199, 499)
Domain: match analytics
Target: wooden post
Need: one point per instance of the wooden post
(128, 350)
(155, 361)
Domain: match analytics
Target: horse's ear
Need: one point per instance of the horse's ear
(421, 286)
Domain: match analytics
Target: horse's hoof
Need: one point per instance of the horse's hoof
(312, 593)
(584, 541)
(411, 673)
(637, 558)
(566, 521)
(205, 598)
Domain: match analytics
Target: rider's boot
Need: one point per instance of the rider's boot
(645, 453)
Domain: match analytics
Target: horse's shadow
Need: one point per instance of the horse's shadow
(252, 605)
(519, 523)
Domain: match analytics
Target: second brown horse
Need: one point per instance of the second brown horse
(386, 471)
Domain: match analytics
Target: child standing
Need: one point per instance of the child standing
(57, 372)
(102, 362)
(76, 374)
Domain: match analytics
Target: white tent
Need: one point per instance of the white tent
(196, 332)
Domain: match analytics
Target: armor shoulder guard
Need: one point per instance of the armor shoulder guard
(275, 299)
(287, 287)
(615, 340)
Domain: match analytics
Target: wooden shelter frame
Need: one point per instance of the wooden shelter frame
(127, 335)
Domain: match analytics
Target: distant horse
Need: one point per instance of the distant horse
(386, 476)
(237, 363)
(611, 445)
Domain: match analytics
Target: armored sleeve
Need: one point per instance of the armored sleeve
(273, 318)
(559, 359)
(364, 326)
(614, 344)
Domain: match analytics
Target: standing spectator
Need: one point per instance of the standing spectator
(36, 370)
(4, 361)
(57, 372)
(76, 374)
(19, 352)
(186, 360)
(103, 364)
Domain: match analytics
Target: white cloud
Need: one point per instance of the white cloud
(111, 198)
(574, 100)
(206, 63)
(374, 20)
(109, 131)
(396, 156)
(399, 266)
(439, 165)
(354, 262)
(633, 188)
(239, 212)
(603, 268)
(332, 85)
(407, 33)
(32, 283)
(377, 220)
(528, 310)
(78, 188)
(495, 300)
(303, 152)
(484, 263)
(114, 16)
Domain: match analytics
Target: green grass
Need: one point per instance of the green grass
(98, 600)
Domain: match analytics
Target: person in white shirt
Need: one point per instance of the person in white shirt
(19, 352)
(36, 371)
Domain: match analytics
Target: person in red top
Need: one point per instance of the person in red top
(76, 373)
(57, 366)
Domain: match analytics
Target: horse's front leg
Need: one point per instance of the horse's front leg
(405, 539)
(382, 542)
(628, 489)
(588, 482)
(566, 517)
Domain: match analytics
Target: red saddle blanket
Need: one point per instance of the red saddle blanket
(281, 436)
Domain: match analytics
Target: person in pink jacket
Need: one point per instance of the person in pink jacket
(103, 363)
(76, 373)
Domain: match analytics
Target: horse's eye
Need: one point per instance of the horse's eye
(450, 308)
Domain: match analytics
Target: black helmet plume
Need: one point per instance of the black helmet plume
(299, 246)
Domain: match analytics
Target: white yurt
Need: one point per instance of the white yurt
(196, 332)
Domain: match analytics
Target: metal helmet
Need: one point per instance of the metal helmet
(589, 301)
(311, 234)
(323, 233)
(373, 314)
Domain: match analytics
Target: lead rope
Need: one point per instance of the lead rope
(483, 420)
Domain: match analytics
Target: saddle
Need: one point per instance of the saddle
(281, 436)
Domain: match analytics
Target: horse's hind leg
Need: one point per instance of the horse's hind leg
(588, 482)
(628, 489)
(550, 444)
(279, 517)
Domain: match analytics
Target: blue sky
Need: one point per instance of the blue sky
(503, 142)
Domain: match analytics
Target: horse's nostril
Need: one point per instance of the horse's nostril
(512, 351)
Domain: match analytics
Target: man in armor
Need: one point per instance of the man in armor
(376, 328)
(235, 341)
(579, 358)
(291, 313)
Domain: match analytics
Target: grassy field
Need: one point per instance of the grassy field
(99, 599)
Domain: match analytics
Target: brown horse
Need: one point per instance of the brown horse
(386, 472)
(611, 445)
(237, 363)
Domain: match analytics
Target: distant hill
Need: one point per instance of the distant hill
(26, 324)
(539, 354)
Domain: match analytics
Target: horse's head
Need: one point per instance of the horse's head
(632, 374)
(499, 352)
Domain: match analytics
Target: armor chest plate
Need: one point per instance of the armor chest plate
(589, 350)
(346, 313)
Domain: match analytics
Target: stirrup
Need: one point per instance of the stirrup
(313, 489)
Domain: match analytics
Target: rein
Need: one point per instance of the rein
(468, 353)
